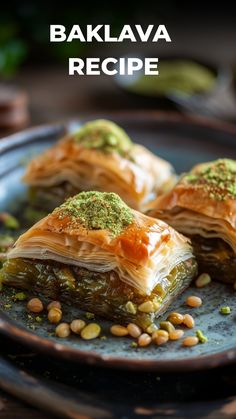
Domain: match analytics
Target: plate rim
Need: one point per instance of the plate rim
(13, 330)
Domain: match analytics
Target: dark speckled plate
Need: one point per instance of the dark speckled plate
(184, 142)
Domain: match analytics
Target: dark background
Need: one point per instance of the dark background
(201, 30)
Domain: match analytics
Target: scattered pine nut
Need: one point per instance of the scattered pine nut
(189, 321)
(203, 280)
(118, 330)
(176, 334)
(190, 341)
(134, 330)
(194, 301)
(91, 331)
(175, 318)
(35, 305)
(54, 315)
(160, 337)
(77, 325)
(161, 340)
(63, 330)
(144, 340)
(54, 304)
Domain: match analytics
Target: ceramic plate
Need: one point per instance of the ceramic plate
(184, 142)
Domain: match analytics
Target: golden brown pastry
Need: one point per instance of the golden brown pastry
(100, 156)
(98, 254)
(203, 206)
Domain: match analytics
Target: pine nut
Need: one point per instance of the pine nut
(189, 321)
(175, 318)
(54, 304)
(77, 325)
(190, 341)
(118, 330)
(161, 340)
(134, 330)
(144, 340)
(91, 331)
(146, 307)
(63, 330)
(193, 301)
(203, 280)
(158, 333)
(176, 334)
(54, 315)
(35, 305)
(160, 337)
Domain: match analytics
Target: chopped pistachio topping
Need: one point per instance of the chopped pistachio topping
(201, 337)
(105, 136)
(225, 310)
(130, 307)
(134, 345)
(98, 211)
(217, 177)
(38, 319)
(89, 316)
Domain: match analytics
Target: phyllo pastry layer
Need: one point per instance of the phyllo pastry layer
(203, 206)
(98, 254)
(100, 156)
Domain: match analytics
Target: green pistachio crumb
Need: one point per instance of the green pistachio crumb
(217, 177)
(97, 211)
(201, 337)
(32, 326)
(105, 136)
(131, 308)
(134, 345)
(89, 316)
(38, 319)
(7, 306)
(225, 310)
(30, 317)
(19, 296)
(103, 338)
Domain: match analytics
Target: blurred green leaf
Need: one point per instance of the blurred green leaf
(12, 54)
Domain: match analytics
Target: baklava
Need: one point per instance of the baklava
(98, 254)
(202, 206)
(100, 156)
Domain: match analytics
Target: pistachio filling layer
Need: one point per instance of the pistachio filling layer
(101, 293)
